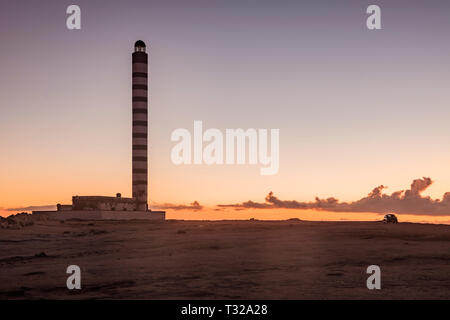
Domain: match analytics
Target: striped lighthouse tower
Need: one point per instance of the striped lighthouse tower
(140, 125)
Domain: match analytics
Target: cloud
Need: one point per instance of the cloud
(195, 206)
(33, 208)
(404, 201)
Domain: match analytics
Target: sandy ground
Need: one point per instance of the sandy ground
(224, 260)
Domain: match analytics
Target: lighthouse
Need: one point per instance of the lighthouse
(140, 125)
(118, 207)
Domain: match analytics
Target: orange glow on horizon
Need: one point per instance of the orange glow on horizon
(214, 213)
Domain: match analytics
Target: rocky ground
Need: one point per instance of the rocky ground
(222, 259)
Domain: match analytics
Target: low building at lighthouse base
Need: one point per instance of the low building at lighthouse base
(102, 208)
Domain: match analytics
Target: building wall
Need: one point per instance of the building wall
(64, 207)
(103, 203)
(103, 215)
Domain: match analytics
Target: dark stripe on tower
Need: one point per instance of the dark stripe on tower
(140, 75)
(139, 182)
(140, 123)
(139, 99)
(139, 87)
(140, 147)
(139, 135)
(140, 58)
(139, 170)
(138, 111)
(137, 159)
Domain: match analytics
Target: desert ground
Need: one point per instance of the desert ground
(224, 260)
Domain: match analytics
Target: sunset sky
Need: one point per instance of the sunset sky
(356, 108)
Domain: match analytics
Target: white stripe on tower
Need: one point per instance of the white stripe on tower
(140, 125)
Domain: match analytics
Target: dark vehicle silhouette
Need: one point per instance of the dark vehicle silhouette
(390, 218)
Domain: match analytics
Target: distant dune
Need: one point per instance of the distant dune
(224, 260)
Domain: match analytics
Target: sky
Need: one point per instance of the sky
(356, 108)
